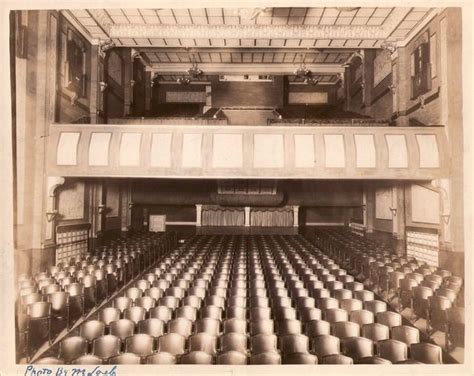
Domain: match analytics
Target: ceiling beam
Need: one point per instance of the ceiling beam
(243, 68)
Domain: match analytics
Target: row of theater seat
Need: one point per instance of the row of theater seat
(429, 292)
(50, 301)
(239, 300)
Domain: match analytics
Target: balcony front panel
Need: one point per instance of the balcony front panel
(307, 152)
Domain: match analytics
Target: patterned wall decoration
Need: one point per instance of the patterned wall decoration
(382, 66)
(420, 211)
(383, 203)
(115, 67)
(71, 202)
(113, 201)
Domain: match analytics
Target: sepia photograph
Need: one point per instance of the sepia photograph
(233, 187)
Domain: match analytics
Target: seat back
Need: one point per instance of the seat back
(106, 346)
(263, 343)
(162, 313)
(265, 358)
(135, 314)
(196, 357)
(122, 303)
(235, 325)
(146, 302)
(389, 318)
(72, 348)
(351, 305)
(344, 329)
(88, 360)
(232, 358)
(375, 331)
(426, 353)
(294, 343)
(172, 343)
(153, 327)
(92, 329)
(263, 326)
(375, 306)
(181, 326)
(203, 342)
(393, 350)
(140, 344)
(233, 342)
(324, 345)
(122, 328)
(336, 359)
(186, 312)
(300, 358)
(357, 347)
(335, 314)
(161, 358)
(125, 358)
(362, 317)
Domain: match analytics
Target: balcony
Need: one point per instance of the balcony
(275, 151)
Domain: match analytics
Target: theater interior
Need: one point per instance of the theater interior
(238, 186)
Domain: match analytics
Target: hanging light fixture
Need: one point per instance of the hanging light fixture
(311, 80)
(194, 71)
(302, 71)
(183, 80)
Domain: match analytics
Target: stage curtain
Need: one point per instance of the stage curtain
(281, 217)
(213, 216)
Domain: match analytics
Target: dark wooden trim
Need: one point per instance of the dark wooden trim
(13, 51)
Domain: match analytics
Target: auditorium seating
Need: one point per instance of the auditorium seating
(419, 290)
(50, 301)
(244, 300)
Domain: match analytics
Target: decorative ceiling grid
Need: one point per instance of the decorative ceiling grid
(96, 23)
(246, 57)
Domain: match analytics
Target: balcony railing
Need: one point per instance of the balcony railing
(211, 151)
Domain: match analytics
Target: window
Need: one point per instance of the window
(420, 70)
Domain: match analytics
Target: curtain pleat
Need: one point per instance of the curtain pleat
(268, 217)
(223, 217)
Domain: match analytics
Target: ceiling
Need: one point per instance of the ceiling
(246, 56)
(99, 22)
(324, 37)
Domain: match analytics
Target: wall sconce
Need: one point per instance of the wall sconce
(135, 53)
(132, 83)
(422, 101)
(130, 205)
(101, 209)
(445, 218)
(364, 207)
(389, 46)
(74, 98)
(340, 78)
(392, 88)
(103, 85)
(51, 215)
(394, 211)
